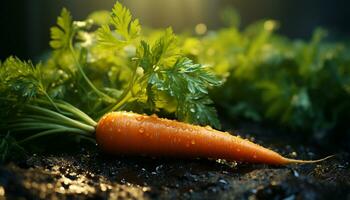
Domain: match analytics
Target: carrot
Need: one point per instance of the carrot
(135, 134)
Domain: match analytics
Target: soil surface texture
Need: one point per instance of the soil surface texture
(87, 173)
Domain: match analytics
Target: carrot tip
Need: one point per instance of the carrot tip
(294, 161)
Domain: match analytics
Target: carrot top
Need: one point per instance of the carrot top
(92, 71)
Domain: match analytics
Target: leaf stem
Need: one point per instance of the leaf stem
(122, 101)
(59, 116)
(73, 110)
(97, 91)
(127, 94)
(52, 131)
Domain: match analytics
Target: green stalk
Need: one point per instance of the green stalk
(78, 113)
(37, 126)
(127, 94)
(32, 122)
(51, 101)
(36, 118)
(59, 116)
(122, 101)
(73, 110)
(97, 91)
(52, 131)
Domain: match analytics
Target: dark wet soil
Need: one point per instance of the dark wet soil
(89, 174)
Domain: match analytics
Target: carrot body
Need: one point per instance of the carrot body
(135, 134)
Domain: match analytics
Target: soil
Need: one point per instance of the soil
(87, 173)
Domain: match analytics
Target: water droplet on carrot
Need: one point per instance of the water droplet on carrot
(139, 118)
(193, 142)
(238, 150)
(254, 156)
(141, 130)
(119, 130)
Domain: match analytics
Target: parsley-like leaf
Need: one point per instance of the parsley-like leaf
(185, 81)
(122, 21)
(197, 110)
(62, 34)
(125, 29)
(165, 50)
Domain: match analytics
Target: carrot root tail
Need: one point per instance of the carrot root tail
(294, 161)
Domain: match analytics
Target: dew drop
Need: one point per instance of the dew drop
(238, 150)
(192, 110)
(193, 142)
(141, 130)
(139, 118)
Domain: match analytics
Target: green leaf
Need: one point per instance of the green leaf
(107, 38)
(198, 110)
(122, 21)
(165, 50)
(186, 82)
(62, 34)
(161, 55)
(21, 78)
(125, 29)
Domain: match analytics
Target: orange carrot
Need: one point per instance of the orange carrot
(135, 134)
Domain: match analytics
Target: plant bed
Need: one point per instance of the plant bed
(87, 173)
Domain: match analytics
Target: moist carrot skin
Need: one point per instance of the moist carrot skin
(135, 134)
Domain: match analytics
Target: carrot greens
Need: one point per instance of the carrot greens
(98, 66)
(107, 62)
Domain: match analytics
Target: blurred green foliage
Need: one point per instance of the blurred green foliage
(300, 85)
